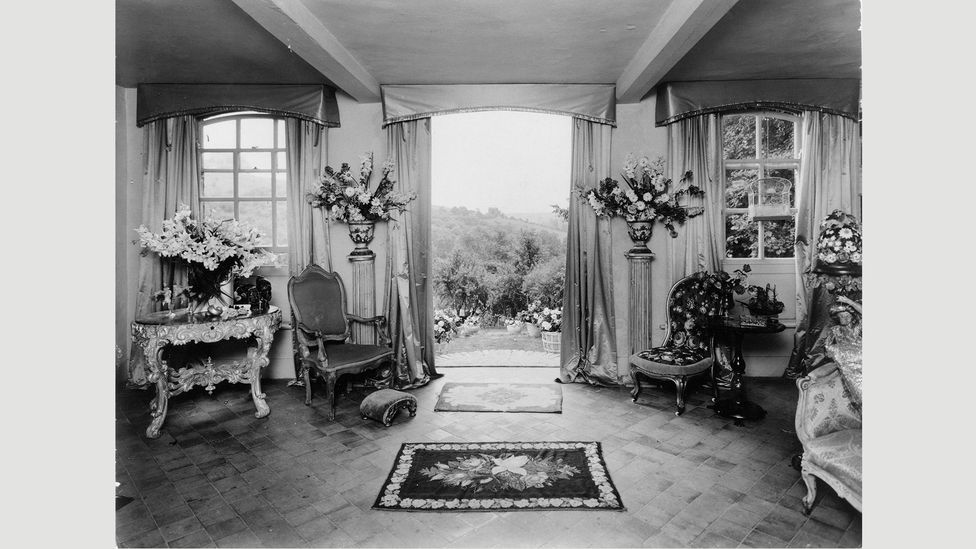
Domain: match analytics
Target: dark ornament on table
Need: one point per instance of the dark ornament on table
(257, 294)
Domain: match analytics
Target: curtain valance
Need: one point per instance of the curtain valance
(678, 100)
(314, 103)
(592, 102)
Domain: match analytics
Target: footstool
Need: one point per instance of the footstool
(384, 404)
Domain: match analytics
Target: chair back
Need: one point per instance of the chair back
(318, 301)
(691, 301)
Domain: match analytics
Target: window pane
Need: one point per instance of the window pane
(777, 138)
(255, 161)
(281, 184)
(785, 173)
(219, 210)
(778, 238)
(257, 133)
(280, 126)
(218, 161)
(741, 236)
(254, 184)
(218, 184)
(737, 185)
(220, 135)
(281, 162)
(281, 218)
(257, 215)
(739, 133)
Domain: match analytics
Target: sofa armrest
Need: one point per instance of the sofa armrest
(824, 406)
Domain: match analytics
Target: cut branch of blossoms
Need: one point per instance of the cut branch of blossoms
(645, 195)
(347, 198)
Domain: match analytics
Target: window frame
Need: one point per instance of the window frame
(761, 165)
(236, 170)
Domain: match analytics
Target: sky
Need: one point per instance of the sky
(517, 162)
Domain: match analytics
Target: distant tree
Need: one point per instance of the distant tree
(506, 297)
(528, 252)
(495, 212)
(461, 283)
(546, 282)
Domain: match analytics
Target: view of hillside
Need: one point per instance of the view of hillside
(494, 264)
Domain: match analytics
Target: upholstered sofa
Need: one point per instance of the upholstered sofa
(828, 424)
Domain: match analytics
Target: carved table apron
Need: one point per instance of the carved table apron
(155, 331)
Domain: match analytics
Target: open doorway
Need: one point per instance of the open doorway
(500, 189)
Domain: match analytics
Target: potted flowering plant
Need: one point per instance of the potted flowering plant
(445, 327)
(531, 318)
(213, 250)
(347, 198)
(763, 305)
(644, 198)
(550, 322)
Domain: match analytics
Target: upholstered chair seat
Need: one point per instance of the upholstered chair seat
(686, 351)
(322, 330)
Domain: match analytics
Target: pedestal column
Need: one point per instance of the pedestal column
(641, 328)
(363, 301)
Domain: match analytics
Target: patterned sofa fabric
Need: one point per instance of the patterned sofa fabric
(839, 454)
(830, 407)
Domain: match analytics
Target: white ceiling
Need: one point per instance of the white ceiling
(357, 45)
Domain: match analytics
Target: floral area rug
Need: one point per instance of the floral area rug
(511, 476)
(500, 397)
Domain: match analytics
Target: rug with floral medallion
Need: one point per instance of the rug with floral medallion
(494, 476)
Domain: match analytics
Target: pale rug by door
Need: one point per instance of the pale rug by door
(500, 397)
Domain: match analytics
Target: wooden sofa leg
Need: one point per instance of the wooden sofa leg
(637, 386)
(308, 386)
(808, 500)
(680, 384)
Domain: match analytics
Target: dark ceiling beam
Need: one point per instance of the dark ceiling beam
(683, 24)
(295, 26)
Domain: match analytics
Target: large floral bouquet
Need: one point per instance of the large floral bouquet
(445, 326)
(347, 198)
(550, 320)
(644, 195)
(840, 240)
(213, 249)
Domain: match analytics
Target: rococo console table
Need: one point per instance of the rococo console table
(155, 331)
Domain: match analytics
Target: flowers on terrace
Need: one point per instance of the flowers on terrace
(645, 195)
(550, 320)
(445, 326)
(227, 246)
(347, 198)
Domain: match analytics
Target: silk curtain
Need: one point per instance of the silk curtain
(171, 178)
(830, 178)
(409, 301)
(306, 149)
(696, 144)
(588, 351)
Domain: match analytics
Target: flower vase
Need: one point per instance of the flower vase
(206, 285)
(640, 233)
(514, 328)
(361, 233)
(533, 330)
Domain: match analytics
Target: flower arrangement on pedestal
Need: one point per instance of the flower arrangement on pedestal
(347, 199)
(644, 198)
(213, 251)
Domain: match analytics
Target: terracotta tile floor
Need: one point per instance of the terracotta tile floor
(219, 477)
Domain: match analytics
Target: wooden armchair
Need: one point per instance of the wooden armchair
(828, 425)
(318, 303)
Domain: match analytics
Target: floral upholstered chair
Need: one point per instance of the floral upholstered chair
(828, 424)
(686, 351)
(322, 326)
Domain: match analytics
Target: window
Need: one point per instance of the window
(758, 145)
(245, 175)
